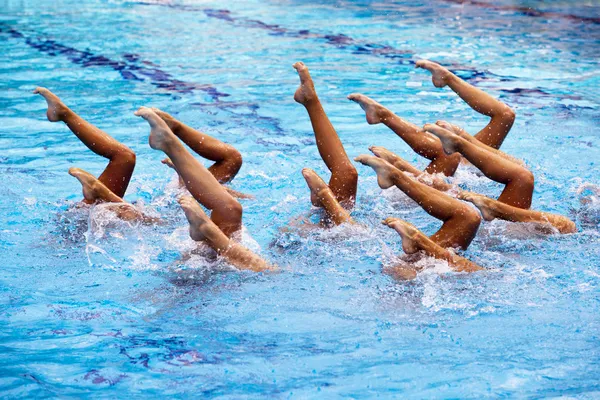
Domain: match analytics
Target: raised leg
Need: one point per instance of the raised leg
(228, 160)
(502, 116)
(414, 240)
(204, 229)
(519, 181)
(460, 222)
(344, 178)
(432, 180)
(465, 135)
(322, 196)
(226, 211)
(421, 142)
(492, 209)
(234, 193)
(118, 172)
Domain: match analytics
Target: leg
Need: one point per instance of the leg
(203, 229)
(234, 193)
(344, 178)
(492, 209)
(460, 221)
(226, 211)
(95, 191)
(117, 174)
(465, 135)
(422, 143)
(228, 160)
(322, 196)
(519, 180)
(502, 115)
(404, 166)
(414, 240)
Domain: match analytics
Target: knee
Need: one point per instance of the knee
(508, 115)
(525, 179)
(471, 218)
(127, 156)
(233, 209)
(234, 158)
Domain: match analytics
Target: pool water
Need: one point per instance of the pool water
(95, 307)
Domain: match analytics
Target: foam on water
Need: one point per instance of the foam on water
(93, 306)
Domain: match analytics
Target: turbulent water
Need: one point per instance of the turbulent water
(96, 307)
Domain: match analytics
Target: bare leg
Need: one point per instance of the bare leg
(234, 193)
(502, 115)
(519, 181)
(118, 172)
(226, 211)
(428, 179)
(203, 229)
(414, 240)
(492, 209)
(421, 142)
(460, 221)
(322, 196)
(95, 191)
(228, 160)
(344, 178)
(465, 135)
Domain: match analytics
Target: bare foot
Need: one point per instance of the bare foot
(375, 112)
(160, 133)
(306, 92)
(483, 203)
(93, 189)
(383, 169)
(439, 74)
(56, 108)
(167, 161)
(316, 185)
(168, 118)
(448, 138)
(454, 129)
(199, 221)
(407, 231)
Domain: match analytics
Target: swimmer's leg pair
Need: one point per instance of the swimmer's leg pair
(344, 178)
(226, 212)
(460, 222)
(228, 160)
(117, 174)
(426, 145)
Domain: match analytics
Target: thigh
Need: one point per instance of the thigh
(343, 184)
(456, 232)
(117, 174)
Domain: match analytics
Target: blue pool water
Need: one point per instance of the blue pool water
(93, 307)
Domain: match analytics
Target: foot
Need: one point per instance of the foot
(407, 231)
(168, 118)
(200, 224)
(449, 139)
(316, 185)
(439, 74)
(386, 155)
(56, 108)
(160, 133)
(375, 112)
(485, 204)
(383, 169)
(93, 189)
(454, 129)
(306, 92)
(167, 161)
